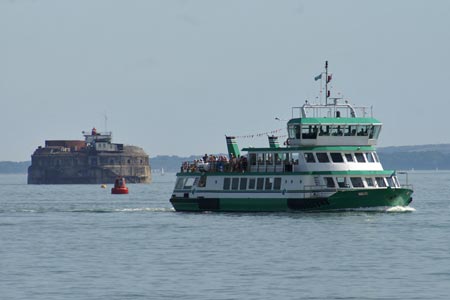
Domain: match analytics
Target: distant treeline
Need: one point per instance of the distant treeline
(11, 167)
(424, 157)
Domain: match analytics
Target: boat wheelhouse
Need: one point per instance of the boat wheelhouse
(328, 162)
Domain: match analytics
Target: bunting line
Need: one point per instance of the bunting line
(251, 136)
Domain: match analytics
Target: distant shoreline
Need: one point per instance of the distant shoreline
(410, 158)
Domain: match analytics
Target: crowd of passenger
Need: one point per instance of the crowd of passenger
(213, 163)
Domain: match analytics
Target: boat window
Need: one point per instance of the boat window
(260, 184)
(397, 184)
(269, 183)
(376, 157)
(370, 157)
(376, 132)
(243, 184)
(309, 157)
(342, 182)
(369, 182)
(349, 157)
(294, 131)
(269, 159)
(322, 157)
(360, 157)
(226, 183)
(380, 181)
(336, 157)
(390, 181)
(202, 181)
(362, 130)
(234, 183)
(261, 158)
(324, 130)
(329, 182)
(277, 183)
(278, 158)
(309, 132)
(180, 183)
(189, 182)
(252, 158)
(336, 130)
(251, 183)
(357, 182)
(350, 130)
(295, 157)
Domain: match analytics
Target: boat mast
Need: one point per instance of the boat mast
(326, 82)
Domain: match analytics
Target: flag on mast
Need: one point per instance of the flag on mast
(329, 78)
(318, 77)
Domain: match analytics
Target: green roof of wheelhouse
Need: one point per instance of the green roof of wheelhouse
(320, 121)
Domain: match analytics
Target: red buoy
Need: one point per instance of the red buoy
(119, 186)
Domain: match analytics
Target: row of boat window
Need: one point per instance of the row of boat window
(313, 131)
(312, 157)
(274, 183)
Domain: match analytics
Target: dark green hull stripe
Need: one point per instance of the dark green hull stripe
(338, 201)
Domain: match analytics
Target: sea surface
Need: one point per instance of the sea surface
(81, 242)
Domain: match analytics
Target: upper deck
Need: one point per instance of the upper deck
(332, 124)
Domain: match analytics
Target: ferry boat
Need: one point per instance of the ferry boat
(328, 162)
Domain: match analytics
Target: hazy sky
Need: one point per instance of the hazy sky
(175, 76)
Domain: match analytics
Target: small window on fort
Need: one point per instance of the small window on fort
(360, 157)
(322, 157)
(336, 157)
(129, 161)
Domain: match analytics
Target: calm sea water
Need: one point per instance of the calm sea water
(81, 242)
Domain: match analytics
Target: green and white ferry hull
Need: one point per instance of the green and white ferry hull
(283, 200)
(329, 162)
